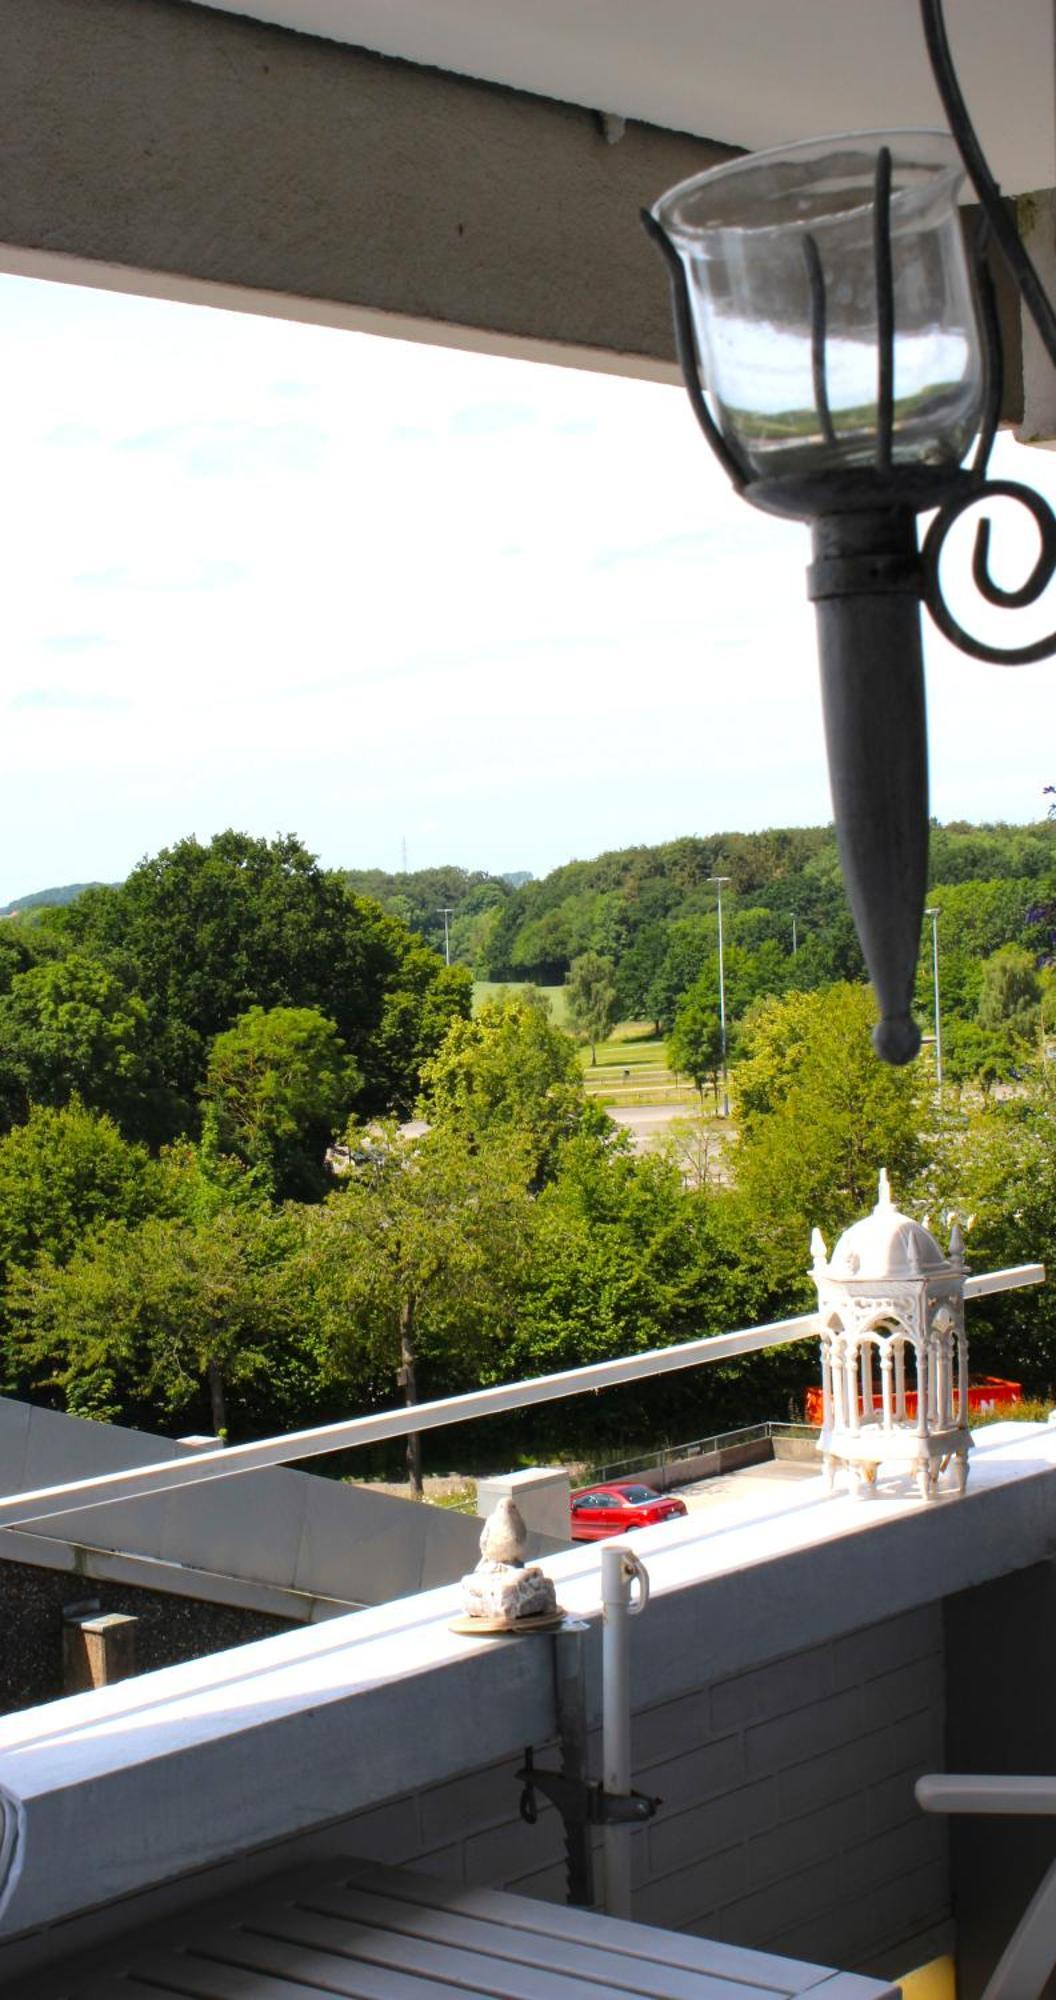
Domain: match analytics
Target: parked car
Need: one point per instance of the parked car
(598, 1511)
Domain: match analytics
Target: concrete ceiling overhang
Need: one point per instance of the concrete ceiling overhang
(745, 73)
(436, 169)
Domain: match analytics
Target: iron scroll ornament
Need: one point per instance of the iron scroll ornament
(1001, 225)
(1006, 600)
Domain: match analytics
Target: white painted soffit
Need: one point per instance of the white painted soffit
(747, 72)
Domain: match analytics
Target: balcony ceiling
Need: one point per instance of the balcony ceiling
(747, 72)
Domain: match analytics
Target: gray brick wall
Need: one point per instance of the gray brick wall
(788, 1819)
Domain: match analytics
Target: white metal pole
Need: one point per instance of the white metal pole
(935, 913)
(719, 881)
(619, 1570)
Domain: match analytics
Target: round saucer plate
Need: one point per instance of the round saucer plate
(498, 1628)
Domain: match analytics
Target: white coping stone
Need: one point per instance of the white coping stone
(540, 1494)
(131, 1786)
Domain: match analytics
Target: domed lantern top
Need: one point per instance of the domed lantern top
(812, 366)
(888, 1245)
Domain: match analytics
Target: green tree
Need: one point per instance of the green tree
(590, 992)
(279, 1084)
(998, 1166)
(639, 970)
(508, 1070)
(977, 1055)
(819, 1117)
(64, 1174)
(206, 932)
(420, 999)
(1011, 993)
(694, 1046)
(156, 1315)
(71, 1027)
(416, 1260)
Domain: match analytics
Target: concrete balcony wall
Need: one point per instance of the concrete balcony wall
(788, 1820)
(789, 1682)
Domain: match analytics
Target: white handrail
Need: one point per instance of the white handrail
(140, 1482)
(986, 1792)
(1026, 1963)
(1003, 1281)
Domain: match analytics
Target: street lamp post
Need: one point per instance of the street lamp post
(934, 912)
(720, 882)
(446, 914)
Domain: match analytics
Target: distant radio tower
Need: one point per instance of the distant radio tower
(403, 854)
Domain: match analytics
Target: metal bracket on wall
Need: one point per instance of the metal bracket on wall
(580, 1801)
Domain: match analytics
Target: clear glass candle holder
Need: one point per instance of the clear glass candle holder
(780, 252)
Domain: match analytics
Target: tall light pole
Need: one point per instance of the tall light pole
(720, 882)
(795, 940)
(446, 913)
(934, 911)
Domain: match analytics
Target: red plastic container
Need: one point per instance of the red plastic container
(983, 1392)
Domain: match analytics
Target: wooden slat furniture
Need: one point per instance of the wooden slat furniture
(362, 1932)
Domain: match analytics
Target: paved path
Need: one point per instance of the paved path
(647, 1121)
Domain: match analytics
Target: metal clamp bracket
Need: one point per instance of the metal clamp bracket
(580, 1802)
(868, 574)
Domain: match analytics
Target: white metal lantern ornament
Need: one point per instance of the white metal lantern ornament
(894, 1357)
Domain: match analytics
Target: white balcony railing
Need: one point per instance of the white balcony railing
(19, 1509)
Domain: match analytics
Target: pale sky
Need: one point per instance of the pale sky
(284, 578)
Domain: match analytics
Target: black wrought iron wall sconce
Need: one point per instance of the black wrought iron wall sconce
(841, 351)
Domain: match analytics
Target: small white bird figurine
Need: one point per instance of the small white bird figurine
(505, 1536)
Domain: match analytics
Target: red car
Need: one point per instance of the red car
(598, 1511)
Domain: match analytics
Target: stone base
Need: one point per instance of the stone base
(507, 1593)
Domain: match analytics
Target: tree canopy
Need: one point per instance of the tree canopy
(508, 1070)
(819, 1117)
(204, 933)
(279, 1084)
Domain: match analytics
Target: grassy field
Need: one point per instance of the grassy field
(489, 989)
(632, 1068)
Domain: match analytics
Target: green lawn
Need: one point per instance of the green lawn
(632, 1063)
(490, 989)
(632, 1068)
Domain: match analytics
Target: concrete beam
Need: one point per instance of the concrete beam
(172, 140)
(154, 146)
(1036, 218)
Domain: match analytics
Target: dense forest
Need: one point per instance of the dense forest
(650, 914)
(210, 1216)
